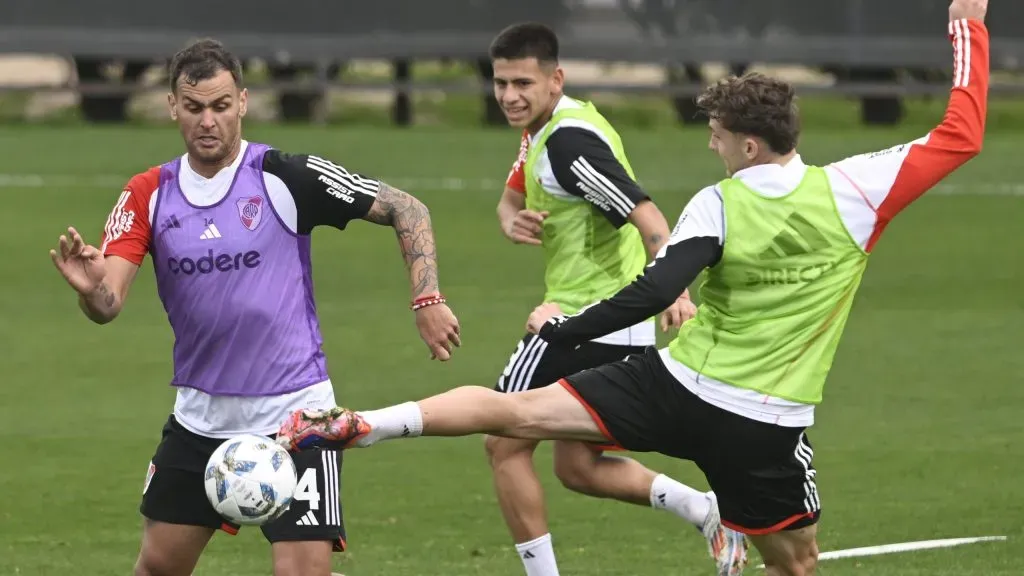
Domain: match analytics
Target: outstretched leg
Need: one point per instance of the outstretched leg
(554, 412)
(546, 413)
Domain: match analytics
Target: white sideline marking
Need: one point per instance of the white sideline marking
(452, 184)
(904, 547)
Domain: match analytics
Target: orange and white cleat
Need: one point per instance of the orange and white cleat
(333, 428)
(727, 547)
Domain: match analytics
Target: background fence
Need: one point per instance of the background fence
(841, 32)
(875, 49)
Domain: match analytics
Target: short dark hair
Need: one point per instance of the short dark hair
(202, 60)
(756, 105)
(526, 40)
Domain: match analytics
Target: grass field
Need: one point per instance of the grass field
(919, 436)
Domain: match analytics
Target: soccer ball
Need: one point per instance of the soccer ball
(250, 480)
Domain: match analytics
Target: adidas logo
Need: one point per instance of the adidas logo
(308, 520)
(210, 233)
(798, 236)
(172, 222)
(405, 431)
(528, 555)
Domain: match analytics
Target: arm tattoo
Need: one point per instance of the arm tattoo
(654, 242)
(99, 306)
(106, 294)
(411, 221)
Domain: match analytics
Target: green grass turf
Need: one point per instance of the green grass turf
(918, 438)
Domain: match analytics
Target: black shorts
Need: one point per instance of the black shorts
(174, 491)
(761, 473)
(535, 365)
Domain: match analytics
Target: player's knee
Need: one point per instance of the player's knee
(150, 564)
(802, 562)
(501, 450)
(170, 549)
(796, 567)
(805, 560)
(808, 562)
(575, 472)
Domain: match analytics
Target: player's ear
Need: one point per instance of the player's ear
(171, 105)
(558, 78)
(243, 102)
(750, 148)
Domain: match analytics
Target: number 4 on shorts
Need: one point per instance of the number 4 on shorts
(306, 489)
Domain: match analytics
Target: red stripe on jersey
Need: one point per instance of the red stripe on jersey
(127, 231)
(959, 136)
(517, 177)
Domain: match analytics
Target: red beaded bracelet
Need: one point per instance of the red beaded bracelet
(425, 301)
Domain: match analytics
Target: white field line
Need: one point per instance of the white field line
(455, 184)
(904, 547)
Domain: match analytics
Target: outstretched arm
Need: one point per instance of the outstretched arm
(882, 184)
(411, 220)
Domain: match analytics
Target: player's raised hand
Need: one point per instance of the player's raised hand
(540, 315)
(680, 311)
(971, 9)
(526, 227)
(439, 329)
(81, 265)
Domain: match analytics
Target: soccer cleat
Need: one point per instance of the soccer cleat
(333, 428)
(727, 547)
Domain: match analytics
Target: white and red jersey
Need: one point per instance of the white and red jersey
(869, 189)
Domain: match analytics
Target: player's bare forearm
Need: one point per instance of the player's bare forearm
(652, 225)
(510, 204)
(103, 302)
(411, 220)
(102, 305)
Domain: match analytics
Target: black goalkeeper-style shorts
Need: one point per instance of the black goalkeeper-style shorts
(174, 490)
(536, 364)
(761, 473)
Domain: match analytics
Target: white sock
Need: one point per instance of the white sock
(399, 421)
(680, 499)
(538, 557)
